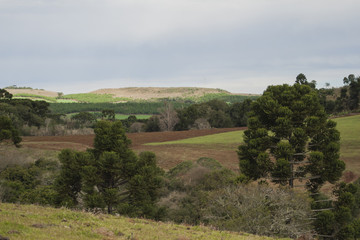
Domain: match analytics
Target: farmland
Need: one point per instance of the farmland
(172, 148)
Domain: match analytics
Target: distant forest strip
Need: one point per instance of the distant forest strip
(142, 107)
(226, 97)
(124, 108)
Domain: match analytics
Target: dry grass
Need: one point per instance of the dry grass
(34, 92)
(35, 222)
(10, 155)
(158, 92)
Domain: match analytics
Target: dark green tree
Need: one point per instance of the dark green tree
(8, 131)
(5, 94)
(84, 117)
(108, 114)
(290, 137)
(110, 175)
(353, 84)
(239, 111)
(69, 182)
(152, 124)
(341, 220)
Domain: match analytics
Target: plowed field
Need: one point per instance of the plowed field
(168, 155)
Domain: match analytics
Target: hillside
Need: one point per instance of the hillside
(39, 92)
(35, 222)
(146, 93)
(114, 95)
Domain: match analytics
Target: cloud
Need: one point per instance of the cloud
(231, 44)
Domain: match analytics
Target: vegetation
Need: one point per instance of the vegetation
(288, 124)
(37, 222)
(123, 108)
(349, 128)
(29, 183)
(35, 97)
(110, 175)
(289, 139)
(94, 98)
(214, 113)
(17, 113)
(339, 218)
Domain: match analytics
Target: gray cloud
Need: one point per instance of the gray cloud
(238, 45)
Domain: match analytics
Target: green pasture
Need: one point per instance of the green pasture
(94, 98)
(349, 128)
(65, 100)
(34, 97)
(125, 116)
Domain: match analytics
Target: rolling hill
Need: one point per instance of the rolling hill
(113, 95)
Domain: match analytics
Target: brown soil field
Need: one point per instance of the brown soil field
(33, 91)
(167, 155)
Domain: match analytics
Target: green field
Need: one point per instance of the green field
(94, 98)
(349, 128)
(35, 222)
(138, 116)
(34, 97)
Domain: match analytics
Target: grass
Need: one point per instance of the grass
(9, 154)
(219, 138)
(65, 100)
(94, 98)
(34, 97)
(35, 222)
(349, 128)
(138, 116)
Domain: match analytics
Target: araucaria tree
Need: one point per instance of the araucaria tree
(289, 137)
(110, 175)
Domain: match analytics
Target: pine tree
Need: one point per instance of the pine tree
(289, 137)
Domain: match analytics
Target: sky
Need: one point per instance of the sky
(242, 46)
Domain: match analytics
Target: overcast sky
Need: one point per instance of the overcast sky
(238, 45)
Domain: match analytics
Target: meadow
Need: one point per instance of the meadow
(349, 128)
(36, 222)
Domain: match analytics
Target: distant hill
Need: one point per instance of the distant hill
(112, 95)
(40, 92)
(146, 93)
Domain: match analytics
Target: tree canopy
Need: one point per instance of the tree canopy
(110, 175)
(289, 137)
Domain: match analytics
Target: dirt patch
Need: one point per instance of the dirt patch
(33, 91)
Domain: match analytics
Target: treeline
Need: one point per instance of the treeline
(17, 113)
(342, 100)
(124, 108)
(215, 113)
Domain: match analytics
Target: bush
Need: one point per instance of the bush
(259, 210)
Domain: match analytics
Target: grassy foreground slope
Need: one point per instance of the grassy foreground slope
(35, 222)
